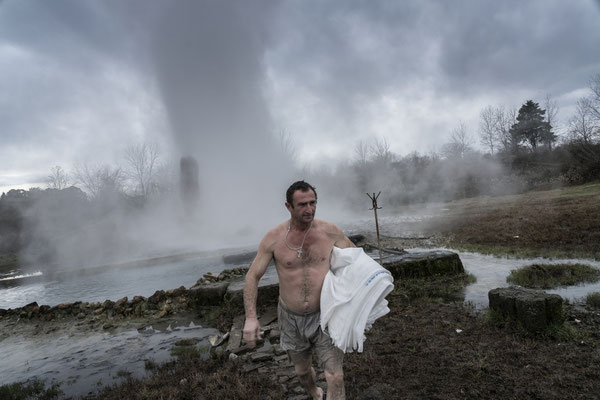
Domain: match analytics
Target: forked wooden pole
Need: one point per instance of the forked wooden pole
(375, 208)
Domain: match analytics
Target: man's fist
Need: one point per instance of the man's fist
(252, 332)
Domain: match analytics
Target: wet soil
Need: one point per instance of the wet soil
(432, 350)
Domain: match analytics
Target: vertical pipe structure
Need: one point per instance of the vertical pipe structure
(375, 208)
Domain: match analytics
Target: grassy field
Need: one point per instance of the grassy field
(555, 223)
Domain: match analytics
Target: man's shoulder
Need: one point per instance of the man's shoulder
(322, 224)
(326, 227)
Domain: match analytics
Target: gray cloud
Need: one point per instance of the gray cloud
(74, 73)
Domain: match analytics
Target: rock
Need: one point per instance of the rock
(121, 302)
(211, 277)
(278, 350)
(157, 297)
(423, 264)
(208, 294)
(235, 335)
(138, 299)
(31, 307)
(269, 316)
(257, 357)
(180, 291)
(107, 325)
(81, 315)
(64, 306)
(275, 334)
(534, 309)
(108, 304)
(250, 367)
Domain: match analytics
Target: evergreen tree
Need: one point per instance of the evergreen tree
(531, 127)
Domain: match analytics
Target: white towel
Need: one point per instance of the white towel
(353, 297)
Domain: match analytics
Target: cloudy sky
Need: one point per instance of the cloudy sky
(81, 79)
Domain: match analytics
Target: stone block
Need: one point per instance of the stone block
(534, 309)
(424, 264)
(209, 294)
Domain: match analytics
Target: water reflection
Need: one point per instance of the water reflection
(83, 362)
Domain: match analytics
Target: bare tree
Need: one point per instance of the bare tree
(488, 129)
(58, 178)
(505, 119)
(380, 151)
(461, 143)
(594, 99)
(551, 113)
(98, 179)
(142, 160)
(551, 109)
(583, 126)
(361, 153)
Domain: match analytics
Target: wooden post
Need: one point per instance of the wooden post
(375, 208)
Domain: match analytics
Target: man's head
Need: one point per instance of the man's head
(301, 201)
(301, 186)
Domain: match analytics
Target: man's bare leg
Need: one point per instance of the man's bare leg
(335, 385)
(308, 377)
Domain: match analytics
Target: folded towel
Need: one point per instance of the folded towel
(353, 297)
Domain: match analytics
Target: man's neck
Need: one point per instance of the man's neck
(299, 225)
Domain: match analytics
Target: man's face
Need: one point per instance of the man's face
(304, 206)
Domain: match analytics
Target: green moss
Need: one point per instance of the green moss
(538, 276)
(34, 389)
(150, 365)
(190, 352)
(440, 287)
(593, 299)
(123, 373)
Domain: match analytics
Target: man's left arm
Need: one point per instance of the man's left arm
(341, 241)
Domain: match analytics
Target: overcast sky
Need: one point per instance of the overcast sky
(81, 79)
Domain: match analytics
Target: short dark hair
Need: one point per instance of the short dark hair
(301, 186)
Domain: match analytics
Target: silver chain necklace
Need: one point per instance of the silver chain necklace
(298, 249)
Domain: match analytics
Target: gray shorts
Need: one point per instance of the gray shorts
(301, 332)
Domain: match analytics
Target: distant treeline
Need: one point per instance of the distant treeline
(523, 150)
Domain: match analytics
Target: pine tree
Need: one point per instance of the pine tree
(531, 128)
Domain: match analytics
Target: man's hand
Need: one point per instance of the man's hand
(252, 332)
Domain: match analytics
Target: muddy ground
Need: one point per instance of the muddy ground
(435, 348)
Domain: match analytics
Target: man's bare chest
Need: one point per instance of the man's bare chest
(316, 251)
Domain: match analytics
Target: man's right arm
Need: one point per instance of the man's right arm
(256, 271)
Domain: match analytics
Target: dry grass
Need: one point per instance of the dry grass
(565, 221)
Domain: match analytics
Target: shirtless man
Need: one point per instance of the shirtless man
(301, 248)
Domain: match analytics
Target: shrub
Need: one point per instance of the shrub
(549, 276)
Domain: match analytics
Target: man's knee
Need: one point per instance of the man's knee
(302, 369)
(334, 377)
